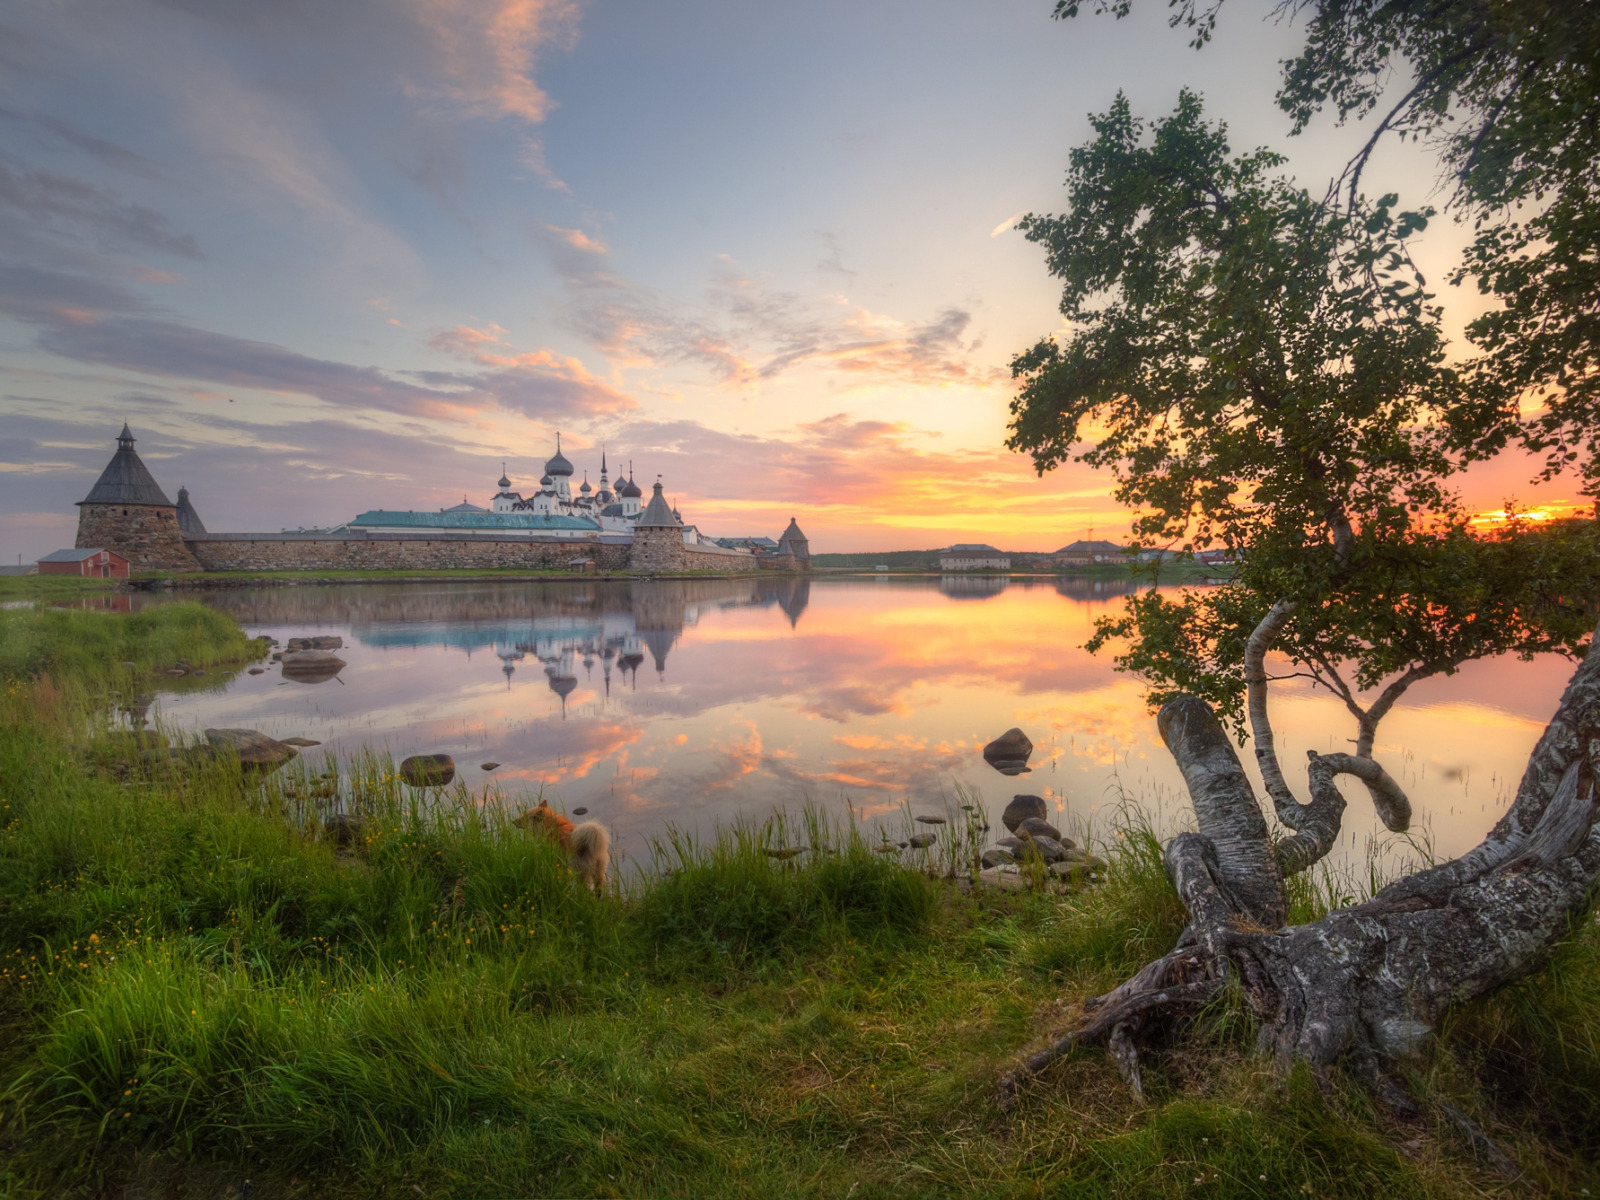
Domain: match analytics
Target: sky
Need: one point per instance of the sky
(324, 258)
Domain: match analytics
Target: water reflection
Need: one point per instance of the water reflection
(694, 700)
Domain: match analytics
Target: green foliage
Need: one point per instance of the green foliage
(76, 641)
(1509, 97)
(1421, 605)
(1509, 94)
(1263, 370)
(733, 904)
(1244, 361)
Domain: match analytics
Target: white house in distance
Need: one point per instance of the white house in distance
(1088, 553)
(973, 556)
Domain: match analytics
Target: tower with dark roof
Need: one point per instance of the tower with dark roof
(657, 538)
(189, 522)
(127, 511)
(794, 543)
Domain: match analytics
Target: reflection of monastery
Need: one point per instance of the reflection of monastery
(586, 529)
(600, 632)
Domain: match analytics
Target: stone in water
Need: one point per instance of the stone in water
(1020, 809)
(254, 749)
(428, 770)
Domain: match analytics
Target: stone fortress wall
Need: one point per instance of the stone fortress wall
(127, 511)
(340, 552)
(663, 552)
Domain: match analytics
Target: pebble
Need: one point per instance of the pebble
(932, 820)
(579, 811)
(922, 841)
(488, 766)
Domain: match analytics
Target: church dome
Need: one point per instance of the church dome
(559, 464)
(546, 481)
(504, 483)
(586, 489)
(630, 489)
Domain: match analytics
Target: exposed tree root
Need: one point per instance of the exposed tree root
(1367, 984)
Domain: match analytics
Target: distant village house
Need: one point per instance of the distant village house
(973, 556)
(1090, 553)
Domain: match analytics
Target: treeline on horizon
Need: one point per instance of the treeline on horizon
(902, 559)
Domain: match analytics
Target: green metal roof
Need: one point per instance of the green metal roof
(406, 519)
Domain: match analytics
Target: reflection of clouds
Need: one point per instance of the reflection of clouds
(586, 747)
(741, 754)
(882, 697)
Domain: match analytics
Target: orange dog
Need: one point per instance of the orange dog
(588, 846)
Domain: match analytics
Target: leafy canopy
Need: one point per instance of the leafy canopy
(1508, 94)
(1261, 369)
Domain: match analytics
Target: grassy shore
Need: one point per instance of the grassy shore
(198, 988)
(51, 587)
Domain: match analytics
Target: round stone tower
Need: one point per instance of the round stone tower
(658, 538)
(794, 543)
(127, 511)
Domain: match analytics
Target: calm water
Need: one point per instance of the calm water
(695, 701)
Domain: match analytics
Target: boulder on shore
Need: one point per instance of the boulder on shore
(254, 749)
(922, 841)
(344, 830)
(1037, 826)
(1009, 752)
(428, 770)
(997, 857)
(1046, 849)
(1021, 809)
(326, 642)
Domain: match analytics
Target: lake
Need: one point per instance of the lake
(691, 702)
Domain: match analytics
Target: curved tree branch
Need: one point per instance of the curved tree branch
(1320, 820)
(1255, 677)
(1388, 797)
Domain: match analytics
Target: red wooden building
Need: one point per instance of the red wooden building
(99, 564)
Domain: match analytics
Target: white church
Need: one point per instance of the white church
(557, 509)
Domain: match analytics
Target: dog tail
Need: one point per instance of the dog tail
(590, 848)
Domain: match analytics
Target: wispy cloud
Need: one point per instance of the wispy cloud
(101, 322)
(745, 331)
(1009, 223)
(487, 50)
(34, 202)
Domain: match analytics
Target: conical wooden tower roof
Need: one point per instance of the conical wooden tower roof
(658, 513)
(126, 480)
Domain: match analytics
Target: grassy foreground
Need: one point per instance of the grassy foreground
(197, 988)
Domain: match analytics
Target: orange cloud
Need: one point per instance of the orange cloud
(578, 240)
(487, 50)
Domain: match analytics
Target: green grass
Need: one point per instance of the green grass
(198, 988)
(51, 587)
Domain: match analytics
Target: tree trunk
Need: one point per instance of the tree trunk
(1368, 982)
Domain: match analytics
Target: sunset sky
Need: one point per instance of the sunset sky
(330, 257)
